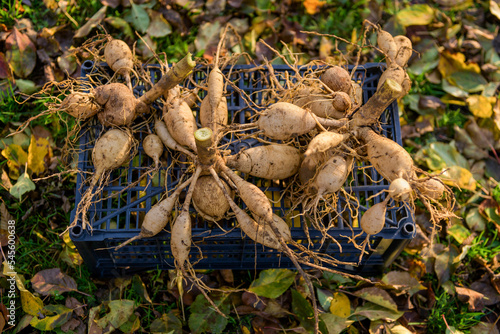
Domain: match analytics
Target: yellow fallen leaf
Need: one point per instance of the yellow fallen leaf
(457, 176)
(495, 9)
(16, 157)
(450, 63)
(325, 47)
(340, 305)
(313, 6)
(30, 304)
(37, 151)
(481, 106)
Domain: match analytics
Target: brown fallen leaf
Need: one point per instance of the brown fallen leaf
(491, 296)
(484, 328)
(377, 296)
(473, 298)
(73, 303)
(92, 23)
(214, 7)
(251, 299)
(5, 181)
(431, 102)
(71, 325)
(402, 281)
(265, 326)
(111, 3)
(227, 275)
(483, 138)
(424, 126)
(5, 71)
(41, 132)
(52, 282)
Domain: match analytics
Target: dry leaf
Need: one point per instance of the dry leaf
(52, 282)
(227, 275)
(5, 72)
(75, 305)
(495, 9)
(92, 23)
(6, 181)
(473, 298)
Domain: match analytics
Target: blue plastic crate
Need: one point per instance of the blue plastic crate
(117, 217)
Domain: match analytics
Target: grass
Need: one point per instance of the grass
(336, 18)
(485, 246)
(451, 118)
(175, 46)
(455, 313)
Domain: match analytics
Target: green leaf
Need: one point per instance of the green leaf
(415, 15)
(303, 311)
(58, 316)
(67, 62)
(272, 283)
(208, 33)
(453, 90)
(5, 142)
(496, 193)
(120, 24)
(138, 17)
(26, 86)
(449, 154)
(337, 278)
(334, 324)
(378, 296)
(23, 323)
(159, 27)
(468, 81)
(20, 53)
(119, 313)
(426, 63)
(168, 323)
(140, 288)
(22, 186)
(444, 265)
(324, 298)
(492, 215)
(375, 312)
(132, 325)
(459, 233)
(204, 318)
(440, 155)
